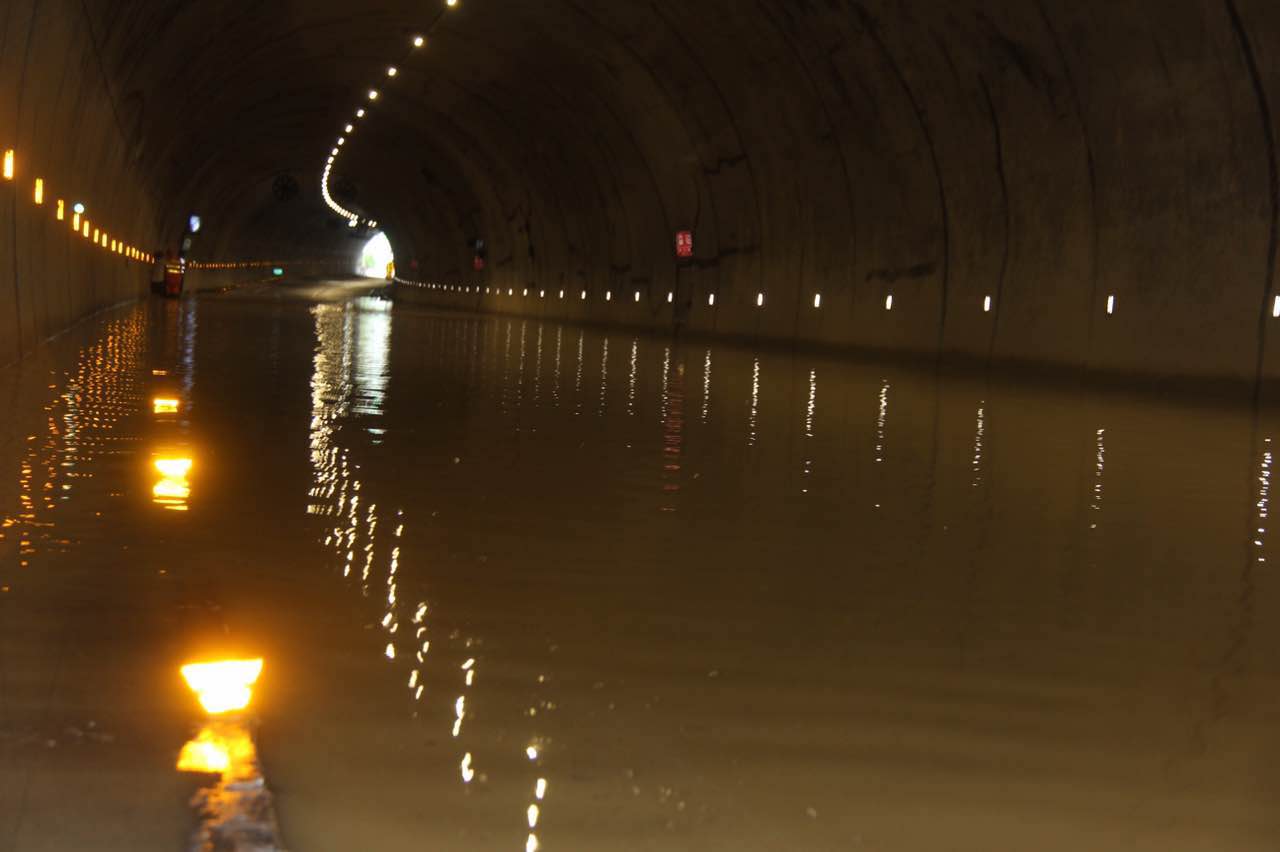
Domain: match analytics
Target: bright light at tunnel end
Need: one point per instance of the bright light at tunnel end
(375, 257)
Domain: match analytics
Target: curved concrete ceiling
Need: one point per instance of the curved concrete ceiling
(1046, 156)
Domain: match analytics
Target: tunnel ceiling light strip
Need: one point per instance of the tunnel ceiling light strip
(418, 40)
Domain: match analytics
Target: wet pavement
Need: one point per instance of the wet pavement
(522, 585)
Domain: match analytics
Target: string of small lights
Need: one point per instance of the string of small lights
(417, 42)
(76, 212)
(242, 264)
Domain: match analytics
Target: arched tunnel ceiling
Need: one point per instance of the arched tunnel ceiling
(1045, 153)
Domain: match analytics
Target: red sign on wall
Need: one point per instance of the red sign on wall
(684, 243)
(478, 263)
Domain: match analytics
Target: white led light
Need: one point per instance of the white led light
(373, 94)
(419, 41)
(817, 300)
(392, 71)
(637, 295)
(986, 305)
(759, 300)
(350, 127)
(671, 297)
(1111, 305)
(888, 302)
(1275, 307)
(711, 300)
(360, 113)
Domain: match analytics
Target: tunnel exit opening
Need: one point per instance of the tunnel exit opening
(376, 258)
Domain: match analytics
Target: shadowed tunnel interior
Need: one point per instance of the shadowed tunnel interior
(1084, 184)
(772, 433)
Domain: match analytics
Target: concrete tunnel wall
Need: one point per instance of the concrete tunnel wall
(80, 112)
(1050, 155)
(57, 116)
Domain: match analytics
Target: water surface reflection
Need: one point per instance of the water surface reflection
(936, 629)
(525, 594)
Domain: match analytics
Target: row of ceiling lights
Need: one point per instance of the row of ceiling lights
(80, 223)
(353, 218)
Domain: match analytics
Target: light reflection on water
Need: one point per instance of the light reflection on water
(659, 643)
(921, 527)
(82, 412)
(917, 528)
(372, 346)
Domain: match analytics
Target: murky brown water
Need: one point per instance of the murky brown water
(644, 595)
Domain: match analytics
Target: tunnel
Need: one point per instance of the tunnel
(752, 424)
(1079, 185)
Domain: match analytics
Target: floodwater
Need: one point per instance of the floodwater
(522, 585)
